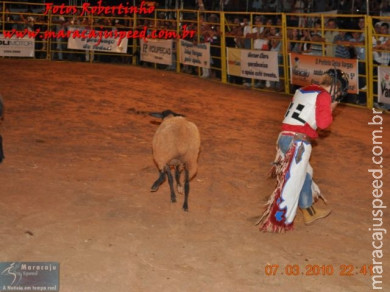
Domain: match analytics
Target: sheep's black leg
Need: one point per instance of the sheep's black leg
(177, 175)
(186, 190)
(170, 180)
(158, 182)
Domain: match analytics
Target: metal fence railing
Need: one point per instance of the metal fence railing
(362, 37)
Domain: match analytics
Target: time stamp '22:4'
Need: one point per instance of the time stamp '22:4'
(318, 270)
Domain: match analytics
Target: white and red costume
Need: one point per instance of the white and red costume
(309, 109)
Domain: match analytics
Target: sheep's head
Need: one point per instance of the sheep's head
(164, 114)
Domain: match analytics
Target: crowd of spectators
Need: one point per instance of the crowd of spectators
(342, 37)
(287, 6)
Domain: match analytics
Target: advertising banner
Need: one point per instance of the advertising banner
(195, 54)
(256, 64)
(384, 84)
(306, 69)
(98, 43)
(16, 47)
(157, 51)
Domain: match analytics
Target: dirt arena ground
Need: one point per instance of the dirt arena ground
(75, 185)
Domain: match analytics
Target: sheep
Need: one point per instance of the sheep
(176, 143)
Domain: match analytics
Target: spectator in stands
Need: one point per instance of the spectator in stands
(21, 21)
(305, 45)
(375, 8)
(9, 19)
(385, 6)
(329, 35)
(359, 7)
(382, 46)
(28, 19)
(234, 39)
(287, 5)
(247, 31)
(341, 41)
(188, 4)
(300, 7)
(201, 5)
(87, 23)
(294, 37)
(360, 25)
(30, 23)
(215, 49)
(377, 28)
(344, 7)
(321, 6)
(257, 5)
(234, 34)
(317, 39)
(208, 32)
(41, 43)
(361, 54)
(60, 26)
(267, 27)
(258, 34)
(357, 42)
(360, 50)
(276, 46)
(278, 22)
(272, 6)
(274, 34)
(252, 34)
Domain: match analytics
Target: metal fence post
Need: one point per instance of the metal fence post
(285, 54)
(369, 62)
(223, 48)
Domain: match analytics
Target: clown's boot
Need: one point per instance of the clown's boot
(312, 214)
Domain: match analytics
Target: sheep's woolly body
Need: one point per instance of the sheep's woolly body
(176, 142)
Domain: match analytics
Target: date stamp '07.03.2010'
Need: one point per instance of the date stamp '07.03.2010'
(343, 270)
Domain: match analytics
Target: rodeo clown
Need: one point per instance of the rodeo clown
(310, 108)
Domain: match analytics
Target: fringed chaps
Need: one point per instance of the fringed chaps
(281, 165)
